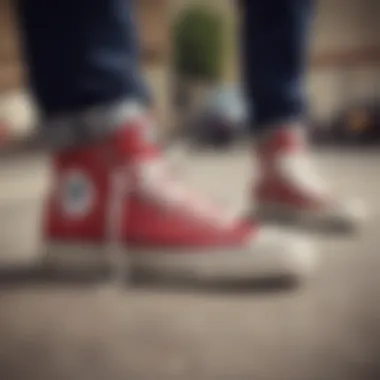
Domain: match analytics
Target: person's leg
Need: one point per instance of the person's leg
(82, 56)
(275, 34)
(80, 53)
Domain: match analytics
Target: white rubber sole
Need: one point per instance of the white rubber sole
(225, 265)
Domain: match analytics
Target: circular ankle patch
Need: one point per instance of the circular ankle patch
(77, 194)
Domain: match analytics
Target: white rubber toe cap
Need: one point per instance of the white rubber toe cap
(270, 253)
(351, 212)
(275, 252)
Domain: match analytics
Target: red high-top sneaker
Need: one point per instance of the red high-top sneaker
(118, 195)
(289, 189)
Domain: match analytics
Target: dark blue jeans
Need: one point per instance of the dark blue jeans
(84, 53)
(275, 35)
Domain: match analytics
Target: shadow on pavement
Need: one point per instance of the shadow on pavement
(37, 276)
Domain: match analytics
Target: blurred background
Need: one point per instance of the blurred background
(343, 78)
(190, 56)
(328, 329)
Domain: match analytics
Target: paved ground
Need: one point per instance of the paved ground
(326, 330)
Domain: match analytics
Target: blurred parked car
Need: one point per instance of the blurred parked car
(355, 124)
(221, 119)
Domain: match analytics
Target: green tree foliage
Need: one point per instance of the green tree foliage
(199, 43)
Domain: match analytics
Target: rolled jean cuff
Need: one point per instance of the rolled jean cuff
(89, 125)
